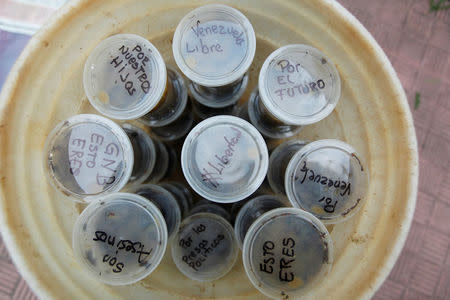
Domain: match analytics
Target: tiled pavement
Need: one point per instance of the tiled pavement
(417, 42)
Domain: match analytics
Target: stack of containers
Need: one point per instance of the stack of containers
(121, 237)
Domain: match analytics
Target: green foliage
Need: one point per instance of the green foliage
(417, 102)
(436, 5)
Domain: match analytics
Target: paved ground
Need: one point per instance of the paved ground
(418, 45)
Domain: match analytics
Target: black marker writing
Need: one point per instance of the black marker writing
(213, 170)
(344, 186)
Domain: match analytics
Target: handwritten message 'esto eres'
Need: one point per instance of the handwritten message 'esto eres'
(212, 172)
(216, 33)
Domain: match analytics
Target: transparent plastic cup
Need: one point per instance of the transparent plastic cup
(125, 77)
(298, 85)
(328, 179)
(187, 193)
(286, 253)
(174, 161)
(203, 112)
(177, 129)
(88, 155)
(217, 99)
(165, 201)
(214, 45)
(224, 159)
(269, 126)
(172, 104)
(179, 192)
(144, 153)
(162, 162)
(205, 248)
(278, 162)
(210, 208)
(119, 238)
(251, 211)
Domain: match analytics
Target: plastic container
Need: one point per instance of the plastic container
(203, 112)
(174, 161)
(125, 77)
(278, 162)
(205, 248)
(173, 102)
(269, 126)
(144, 153)
(224, 159)
(298, 85)
(372, 115)
(162, 162)
(88, 155)
(186, 192)
(119, 238)
(328, 179)
(218, 98)
(287, 252)
(214, 46)
(177, 129)
(179, 192)
(251, 211)
(210, 208)
(165, 201)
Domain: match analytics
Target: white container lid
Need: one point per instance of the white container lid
(214, 45)
(120, 238)
(328, 179)
(299, 85)
(224, 159)
(286, 253)
(205, 248)
(124, 77)
(88, 155)
(164, 200)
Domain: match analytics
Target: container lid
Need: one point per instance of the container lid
(120, 238)
(299, 85)
(328, 179)
(165, 201)
(286, 253)
(88, 155)
(224, 159)
(124, 77)
(205, 247)
(251, 211)
(214, 45)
